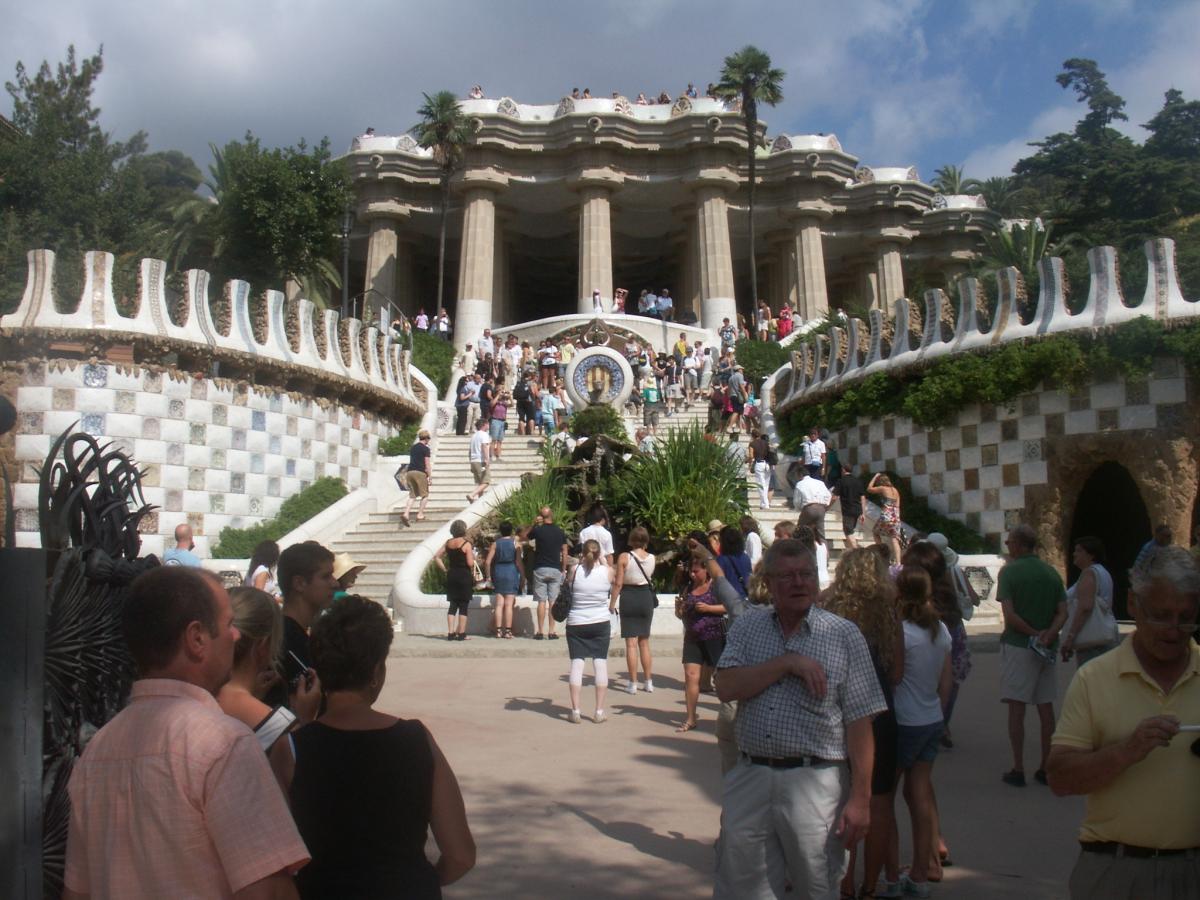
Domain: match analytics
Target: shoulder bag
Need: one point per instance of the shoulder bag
(653, 592)
(1100, 629)
(562, 603)
(401, 477)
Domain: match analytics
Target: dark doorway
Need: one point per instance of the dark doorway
(1111, 508)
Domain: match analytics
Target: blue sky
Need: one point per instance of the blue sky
(899, 81)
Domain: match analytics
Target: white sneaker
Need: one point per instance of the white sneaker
(575, 717)
(649, 688)
(631, 687)
(600, 716)
(887, 889)
(914, 888)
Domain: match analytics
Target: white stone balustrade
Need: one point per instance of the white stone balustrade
(817, 370)
(330, 349)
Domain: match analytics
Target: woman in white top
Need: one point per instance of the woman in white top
(1092, 593)
(261, 571)
(921, 695)
(588, 626)
(632, 586)
(754, 544)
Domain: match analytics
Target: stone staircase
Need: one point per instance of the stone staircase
(381, 541)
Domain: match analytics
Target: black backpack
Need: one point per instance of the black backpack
(521, 391)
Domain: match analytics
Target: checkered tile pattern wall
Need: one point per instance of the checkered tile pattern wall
(978, 469)
(214, 454)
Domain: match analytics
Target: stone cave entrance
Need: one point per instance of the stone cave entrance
(1110, 507)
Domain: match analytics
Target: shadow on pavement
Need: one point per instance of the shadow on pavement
(672, 846)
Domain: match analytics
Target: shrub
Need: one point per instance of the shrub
(239, 543)
(760, 359)
(689, 481)
(524, 504)
(435, 358)
(399, 444)
(593, 421)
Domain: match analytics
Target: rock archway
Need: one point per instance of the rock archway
(1110, 507)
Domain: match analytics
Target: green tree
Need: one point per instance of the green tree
(1175, 129)
(953, 180)
(444, 129)
(1002, 194)
(273, 217)
(1104, 106)
(748, 76)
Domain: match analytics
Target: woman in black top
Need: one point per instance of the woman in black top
(367, 787)
(460, 578)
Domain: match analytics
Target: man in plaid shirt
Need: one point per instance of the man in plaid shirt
(806, 693)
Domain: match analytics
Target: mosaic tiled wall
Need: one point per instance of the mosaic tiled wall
(215, 453)
(980, 469)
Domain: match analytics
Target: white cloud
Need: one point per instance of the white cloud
(991, 19)
(998, 159)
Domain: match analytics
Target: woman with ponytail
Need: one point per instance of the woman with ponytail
(589, 626)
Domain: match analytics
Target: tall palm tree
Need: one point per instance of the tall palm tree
(444, 129)
(747, 75)
(1002, 194)
(194, 232)
(953, 180)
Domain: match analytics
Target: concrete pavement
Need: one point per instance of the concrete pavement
(631, 808)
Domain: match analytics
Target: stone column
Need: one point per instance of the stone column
(595, 247)
(501, 302)
(812, 296)
(381, 260)
(868, 286)
(405, 296)
(476, 268)
(715, 258)
(889, 273)
(689, 277)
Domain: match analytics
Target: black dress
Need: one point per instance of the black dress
(460, 580)
(362, 801)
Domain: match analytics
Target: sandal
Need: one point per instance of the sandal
(686, 726)
(508, 632)
(499, 632)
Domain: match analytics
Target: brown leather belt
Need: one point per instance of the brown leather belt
(1115, 848)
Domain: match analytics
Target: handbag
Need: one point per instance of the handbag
(562, 603)
(1099, 630)
(653, 592)
(401, 476)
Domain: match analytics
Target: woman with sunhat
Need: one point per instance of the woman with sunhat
(346, 571)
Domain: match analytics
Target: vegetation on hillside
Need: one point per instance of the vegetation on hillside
(239, 543)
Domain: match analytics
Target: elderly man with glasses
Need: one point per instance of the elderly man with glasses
(806, 692)
(1126, 740)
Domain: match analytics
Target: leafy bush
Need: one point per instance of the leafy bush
(239, 543)
(689, 481)
(435, 358)
(760, 359)
(524, 504)
(399, 444)
(592, 421)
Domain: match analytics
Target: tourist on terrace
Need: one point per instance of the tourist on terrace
(635, 591)
(762, 320)
(863, 592)
(460, 578)
(589, 626)
(641, 99)
(260, 573)
(666, 306)
(920, 701)
(368, 788)
(703, 633)
(182, 554)
(728, 334)
(587, 94)
(784, 326)
(888, 526)
(1089, 598)
(476, 93)
(503, 567)
(566, 352)
(597, 304)
(711, 91)
(664, 97)
(444, 329)
(691, 91)
(1119, 741)
(548, 363)
(575, 94)
(418, 476)
(422, 320)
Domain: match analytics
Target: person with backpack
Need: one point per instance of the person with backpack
(526, 409)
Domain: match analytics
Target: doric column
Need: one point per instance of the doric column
(405, 295)
(715, 257)
(501, 301)
(381, 259)
(687, 281)
(383, 272)
(889, 273)
(477, 266)
(812, 296)
(868, 286)
(595, 246)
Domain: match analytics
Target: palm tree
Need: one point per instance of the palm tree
(1001, 194)
(195, 233)
(952, 180)
(747, 75)
(444, 129)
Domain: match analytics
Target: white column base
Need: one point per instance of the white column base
(716, 309)
(474, 315)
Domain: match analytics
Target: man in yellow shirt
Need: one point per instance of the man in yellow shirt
(1121, 741)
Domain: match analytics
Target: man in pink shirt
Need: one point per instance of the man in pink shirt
(172, 798)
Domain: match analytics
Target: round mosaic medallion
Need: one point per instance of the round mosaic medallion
(599, 375)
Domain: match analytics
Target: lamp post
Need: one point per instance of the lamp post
(346, 219)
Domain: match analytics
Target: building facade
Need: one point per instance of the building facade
(556, 201)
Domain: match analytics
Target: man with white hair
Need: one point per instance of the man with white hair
(1125, 741)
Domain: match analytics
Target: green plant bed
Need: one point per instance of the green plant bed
(760, 359)
(592, 421)
(239, 543)
(399, 444)
(435, 358)
(433, 580)
(524, 504)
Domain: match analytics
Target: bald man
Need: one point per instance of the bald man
(181, 554)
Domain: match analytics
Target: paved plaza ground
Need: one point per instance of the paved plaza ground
(630, 808)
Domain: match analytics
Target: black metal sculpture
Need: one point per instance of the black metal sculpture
(90, 504)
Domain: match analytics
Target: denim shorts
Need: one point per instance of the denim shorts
(917, 743)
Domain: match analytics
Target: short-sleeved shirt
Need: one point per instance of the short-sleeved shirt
(418, 457)
(785, 720)
(177, 557)
(849, 489)
(600, 535)
(814, 452)
(1035, 590)
(1153, 802)
(173, 798)
(548, 541)
(479, 440)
